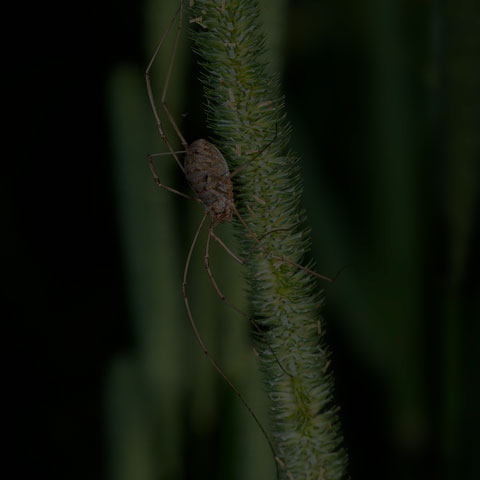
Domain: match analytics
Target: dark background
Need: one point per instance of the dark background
(383, 99)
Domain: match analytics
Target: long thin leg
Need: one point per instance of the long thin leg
(162, 154)
(247, 163)
(242, 261)
(219, 240)
(167, 81)
(231, 305)
(253, 247)
(166, 187)
(204, 348)
(259, 244)
(277, 257)
(149, 85)
(210, 275)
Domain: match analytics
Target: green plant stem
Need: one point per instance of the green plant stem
(245, 111)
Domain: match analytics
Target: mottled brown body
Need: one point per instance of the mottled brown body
(207, 173)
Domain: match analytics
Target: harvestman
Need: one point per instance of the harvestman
(207, 173)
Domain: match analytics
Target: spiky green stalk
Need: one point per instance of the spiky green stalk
(245, 110)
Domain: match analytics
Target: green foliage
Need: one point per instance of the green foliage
(145, 386)
(388, 135)
(143, 389)
(245, 111)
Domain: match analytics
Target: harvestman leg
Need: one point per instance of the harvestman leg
(192, 321)
(204, 348)
(222, 296)
(162, 185)
(278, 257)
(178, 13)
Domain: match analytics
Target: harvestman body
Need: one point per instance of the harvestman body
(208, 175)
